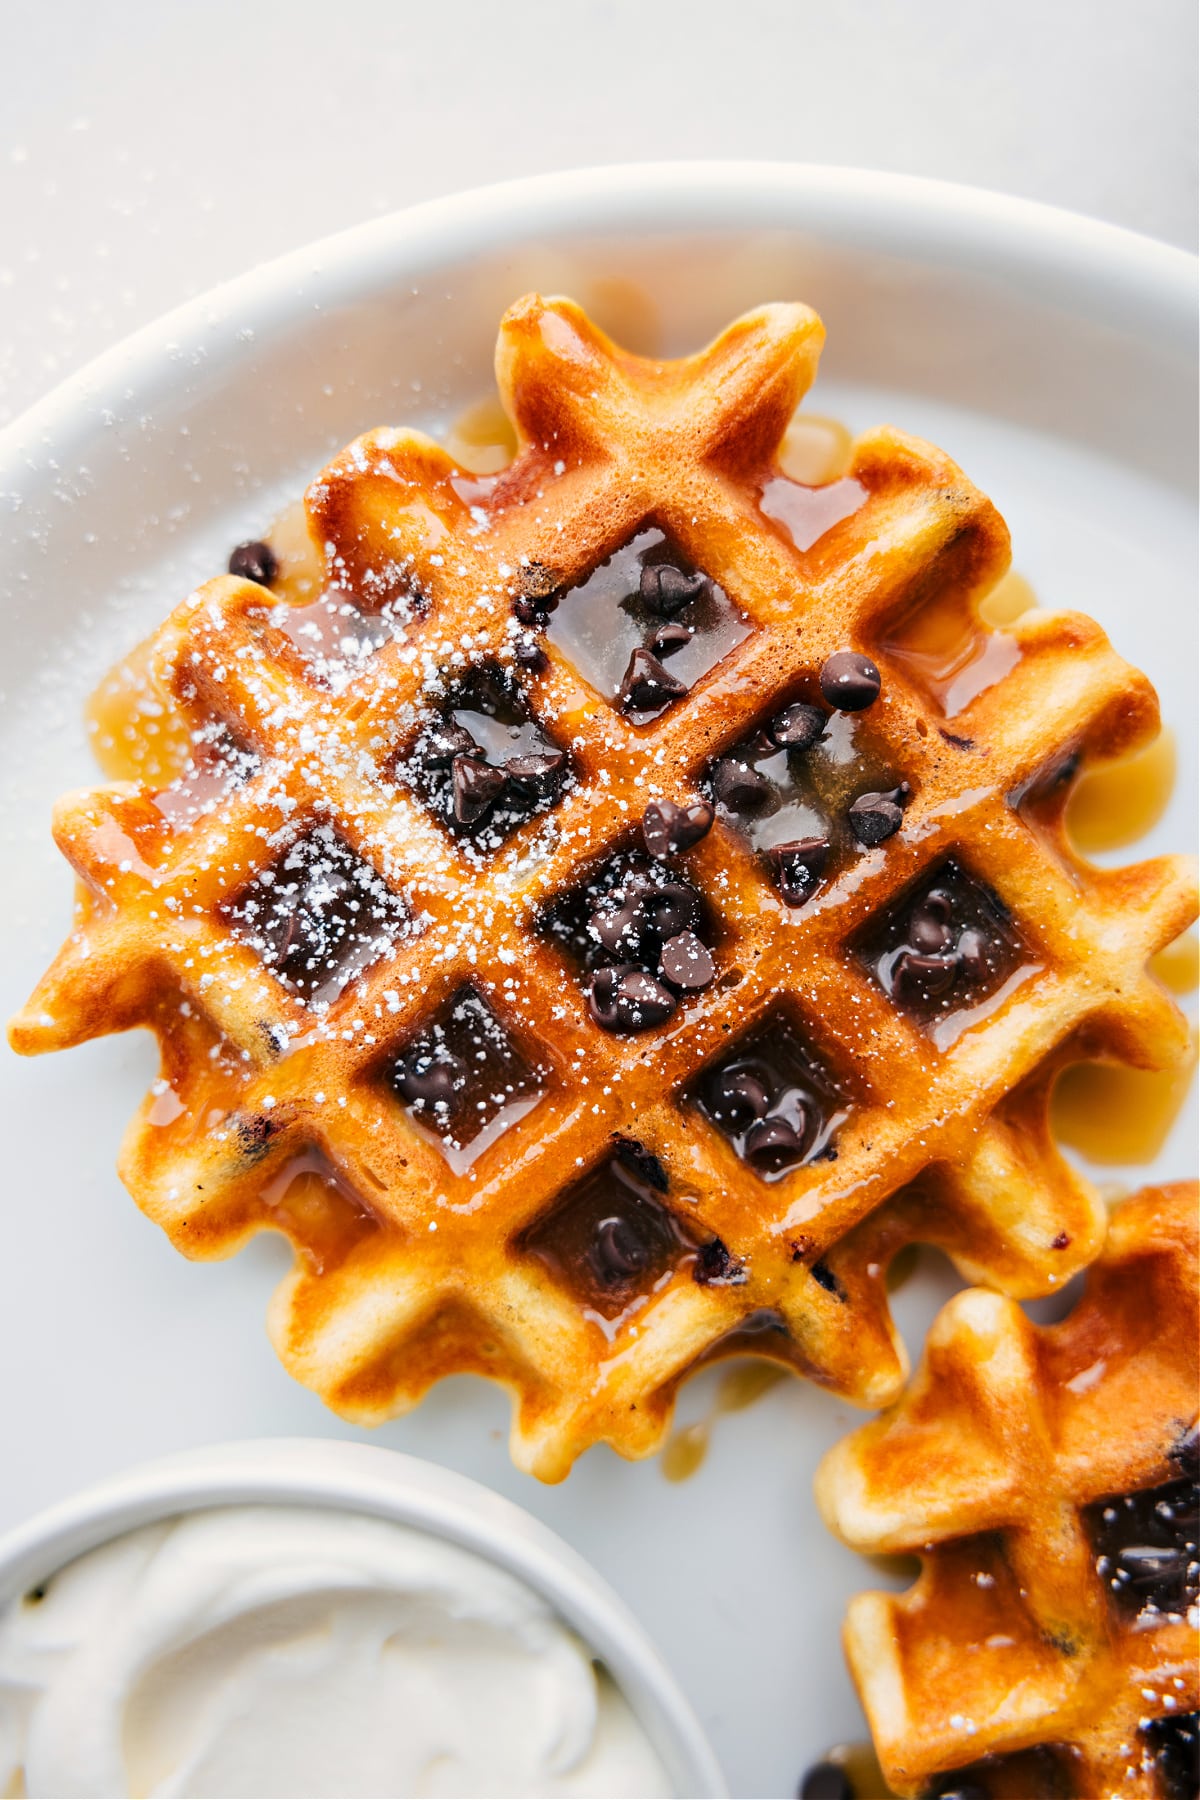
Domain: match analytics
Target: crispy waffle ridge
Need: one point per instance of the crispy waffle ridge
(409, 1269)
(1039, 1653)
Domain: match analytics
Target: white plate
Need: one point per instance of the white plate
(1053, 357)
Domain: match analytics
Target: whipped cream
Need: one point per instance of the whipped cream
(269, 1650)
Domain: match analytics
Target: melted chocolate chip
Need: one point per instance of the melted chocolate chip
(773, 1145)
(737, 1097)
(772, 1100)
(666, 590)
(446, 740)
(617, 928)
(644, 1164)
(797, 727)
(647, 686)
(1147, 1547)
(824, 1276)
(946, 946)
(465, 1079)
(850, 681)
(318, 917)
(625, 999)
(476, 787)
(738, 786)
(539, 772)
(670, 638)
(529, 655)
(1173, 1744)
(424, 1082)
(716, 1266)
(797, 868)
(668, 829)
(611, 1236)
(686, 963)
(254, 561)
(483, 763)
(874, 817)
(917, 977)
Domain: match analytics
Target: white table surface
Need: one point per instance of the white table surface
(150, 148)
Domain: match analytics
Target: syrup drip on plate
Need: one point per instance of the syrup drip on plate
(1117, 804)
(1115, 1114)
(738, 1388)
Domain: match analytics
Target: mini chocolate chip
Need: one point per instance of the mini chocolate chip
(529, 612)
(686, 962)
(797, 727)
(738, 786)
(826, 1781)
(618, 1253)
(1060, 1240)
(446, 740)
(254, 561)
(617, 926)
(850, 681)
(873, 818)
(664, 590)
(669, 638)
(529, 655)
(824, 1275)
(424, 1081)
(476, 785)
(540, 771)
(972, 953)
(736, 1098)
(626, 999)
(797, 868)
(924, 977)
(772, 1144)
(716, 1265)
(928, 933)
(667, 829)
(645, 1165)
(1186, 1451)
(668, 908)
(646, 685)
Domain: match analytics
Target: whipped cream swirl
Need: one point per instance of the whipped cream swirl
(272, 1650)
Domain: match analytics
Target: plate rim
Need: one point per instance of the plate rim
(969, 229)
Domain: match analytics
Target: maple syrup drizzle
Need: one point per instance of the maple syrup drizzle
(1115, 805)
(482, 439)
(1178, 965)
(951, 653)
(1114, 1114)
(738, 1388)
(135, 732)
(310, 1202)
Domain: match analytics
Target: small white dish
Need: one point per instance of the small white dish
(381, 1484)
(1052, 356)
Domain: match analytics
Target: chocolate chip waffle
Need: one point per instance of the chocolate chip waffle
(600, 927)
(1048, 1479)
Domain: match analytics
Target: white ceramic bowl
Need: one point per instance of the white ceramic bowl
(1054, 357)
(359, 1478)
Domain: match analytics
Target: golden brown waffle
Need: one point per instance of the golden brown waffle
(612, 1236)
(1047, 1477)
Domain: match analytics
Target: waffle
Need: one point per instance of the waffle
(532, 794)
(1047, 1477)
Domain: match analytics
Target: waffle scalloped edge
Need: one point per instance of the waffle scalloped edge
(406, 1272)
(1009, 1642)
